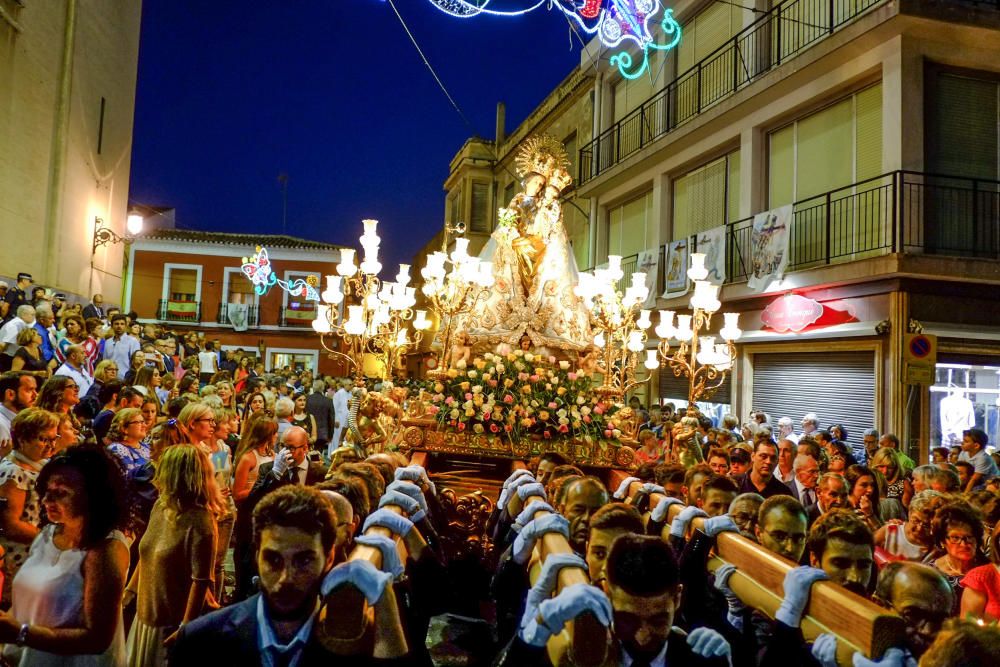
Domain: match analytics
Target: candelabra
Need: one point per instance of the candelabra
(455, 292)
(377, 311)
(621, 335)
(697, 356)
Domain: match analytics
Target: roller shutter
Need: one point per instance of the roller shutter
(676, 388)
(838, 386)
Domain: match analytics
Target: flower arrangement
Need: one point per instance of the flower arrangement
(520, 394)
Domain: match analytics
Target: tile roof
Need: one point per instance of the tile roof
(226, 238)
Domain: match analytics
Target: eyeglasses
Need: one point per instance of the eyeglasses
(49, 441)
(960, 539)
(206, 419)
(136, 423)
(810, 473)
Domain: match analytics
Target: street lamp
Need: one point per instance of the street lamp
(106, 235)
(620, 324)
(697, 356)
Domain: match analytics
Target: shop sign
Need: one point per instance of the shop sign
(791, 312)
(920, 349)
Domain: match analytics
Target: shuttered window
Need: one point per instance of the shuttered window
(707, 197)
(480, 221)
(631, 227)
(707, 31)
(675, 388)
(962, 118)
(830, 149)
(838, 386)
(630, 93)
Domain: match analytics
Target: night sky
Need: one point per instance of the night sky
(333, 94)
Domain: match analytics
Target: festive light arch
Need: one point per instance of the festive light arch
(617, 23)
(257, 269)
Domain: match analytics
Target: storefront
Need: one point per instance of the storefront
(965, 395)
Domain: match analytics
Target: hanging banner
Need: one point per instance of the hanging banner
(649, 263)
(769, 247)
(713, 244)
(676, 282)
(238, 314)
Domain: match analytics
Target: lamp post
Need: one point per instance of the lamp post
(377, 311)
(698, 356)
(455, 291)
(106, 235)
(620, 324)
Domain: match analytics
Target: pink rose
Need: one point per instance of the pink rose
(563, 428)
(552, 405)
(433, 409)
(449, 400)
(534, 378)
(586, 419)
(468, 396)
(508, 398)
(571, 376)
(607, 433)
(552, 360)
(522, 376)
(598, 409)
(493, 383)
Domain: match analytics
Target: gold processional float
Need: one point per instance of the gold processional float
(530, 355)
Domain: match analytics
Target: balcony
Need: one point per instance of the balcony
(171, 310)
(903, 212)
(786, 30)
(252, 320)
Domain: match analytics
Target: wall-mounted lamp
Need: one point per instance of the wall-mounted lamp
(105, 235)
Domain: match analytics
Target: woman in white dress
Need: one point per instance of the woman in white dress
(67, 594)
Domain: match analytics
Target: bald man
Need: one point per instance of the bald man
(344, 527)
(291, 464)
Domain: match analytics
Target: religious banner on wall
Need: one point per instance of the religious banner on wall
(676, 282)
(769, 247)
(713, 244)
(238, 314)
(649, 263)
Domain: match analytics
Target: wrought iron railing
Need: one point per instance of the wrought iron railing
(901, 211)
(781, 33)
(253, 315)
(171, 310)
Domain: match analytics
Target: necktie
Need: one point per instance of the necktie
(808, 498)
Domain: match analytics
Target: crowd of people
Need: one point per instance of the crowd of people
(163, 503)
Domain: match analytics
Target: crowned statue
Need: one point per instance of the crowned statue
(533, 265)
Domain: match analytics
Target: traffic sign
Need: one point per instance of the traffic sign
(920, 349)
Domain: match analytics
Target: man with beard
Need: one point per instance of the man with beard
(642, 594)
(761, 477)
(781, 527)
(18, 391)
(294, 536)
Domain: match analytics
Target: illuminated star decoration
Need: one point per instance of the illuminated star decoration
(257, 269)
(617, 23)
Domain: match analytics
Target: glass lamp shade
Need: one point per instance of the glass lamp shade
(403, 277)
(651, 363)
(665, 329)
(599, 340)
(635, 342)
(731, 330)
(133, 223)
(420, 322)
(461, 251)
(722, 359)
(683, 331)
(333, 293)
(638, 280)
(355, 324)
(643, 322)
(321, 324)
(697, 271)
(346, 267)
(615, 267)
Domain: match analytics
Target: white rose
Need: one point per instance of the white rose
(460, 364)
(564, 365)
(472, 374)
(528, 356)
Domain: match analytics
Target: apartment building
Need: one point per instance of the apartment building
(877, 122)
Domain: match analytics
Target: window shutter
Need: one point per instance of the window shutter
(781, 167)
(480, 221)
(733, 187)
(634, 225)
(961, 136)
(869, 132)
(825, 151)
(615, 231)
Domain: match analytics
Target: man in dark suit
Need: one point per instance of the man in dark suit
(320, 406)
(291, 465)
(294, 534)
(831, 493)
(642, 593)
(803, 484)
(95, 308)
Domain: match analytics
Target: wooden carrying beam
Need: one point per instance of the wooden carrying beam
(858, 623)
(347, 620)
(587, 638)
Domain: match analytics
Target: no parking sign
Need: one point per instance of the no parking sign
(919, 357)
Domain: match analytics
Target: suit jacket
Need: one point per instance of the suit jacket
(794, 489)
(229, 637)
(812, 513)
(321, 408)
(90, 310)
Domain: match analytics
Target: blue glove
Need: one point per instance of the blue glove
(894, 657)
(547, 579)
(556, 612)
(363, 575)
(622, 491)
(398, 525)
(409, 505)
(680, 524)
(714, 525)
(520, 472)
(529, 512)
(652, 488)
(824, 649)
(525, 491)
(415, 474)
(409, 489)
(525, 540)
(659, 513)
(390, 555)
(798, 583)
(708, 643)
(282, 461)
(736, 607)
(511, 487)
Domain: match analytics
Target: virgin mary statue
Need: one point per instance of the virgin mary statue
(533, 265)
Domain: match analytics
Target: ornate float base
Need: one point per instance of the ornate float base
(426, 435)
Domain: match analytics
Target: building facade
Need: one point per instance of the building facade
(877, 122)
(193, 281)
(67, 97)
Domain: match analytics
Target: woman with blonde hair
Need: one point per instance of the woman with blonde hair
(147, 381)
(34, 431)
(197, 422)
(28, 358)
(69, 434)
(256, 448)
(222, 463)
(224, 390)
(172, 581)
(897, 484)
(59, 394)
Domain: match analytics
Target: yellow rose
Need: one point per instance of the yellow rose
(561, 390)
(469, 412)
(452, 373)
(465, 386)
(543, 415)
(438, 387)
